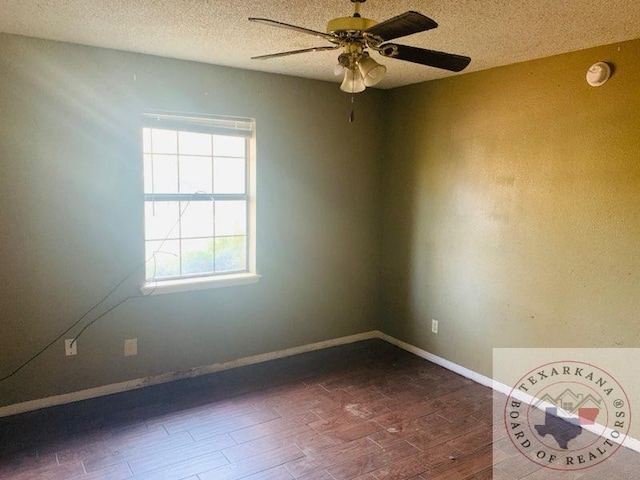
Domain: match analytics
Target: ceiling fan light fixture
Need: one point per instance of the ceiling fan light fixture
(372, 72)
(353, 81)
(356, 34)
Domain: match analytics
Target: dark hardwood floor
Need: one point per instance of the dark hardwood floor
(363, 411)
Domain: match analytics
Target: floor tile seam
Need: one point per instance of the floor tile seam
(283, 435)
(474, 431)
(131, 455)
(320, 453)
(292, 444)
(161, 469)
(226, 432)
(207, 419)
(282, 463)
(408, 457)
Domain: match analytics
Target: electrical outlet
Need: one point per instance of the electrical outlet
(434, 326)
(130, 347)
(70, 347)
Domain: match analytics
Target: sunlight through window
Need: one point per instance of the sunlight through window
(197, 185)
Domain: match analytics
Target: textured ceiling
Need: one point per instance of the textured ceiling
(491, 32)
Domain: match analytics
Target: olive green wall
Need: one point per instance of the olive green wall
(72, 222)
(512, 209)
(506, 205)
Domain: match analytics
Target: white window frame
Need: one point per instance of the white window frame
(223, 126)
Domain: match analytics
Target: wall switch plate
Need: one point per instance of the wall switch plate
(70, 347)
(130, 347)
(434, 326)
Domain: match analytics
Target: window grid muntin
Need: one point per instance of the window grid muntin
(210, 197)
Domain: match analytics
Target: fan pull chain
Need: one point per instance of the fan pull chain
(352, 115)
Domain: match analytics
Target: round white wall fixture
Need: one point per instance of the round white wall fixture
(598, 74)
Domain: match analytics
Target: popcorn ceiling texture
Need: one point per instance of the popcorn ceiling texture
(491, 32)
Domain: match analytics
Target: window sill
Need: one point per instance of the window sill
(205, 283)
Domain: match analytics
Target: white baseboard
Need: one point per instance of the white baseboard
(31, 405)
(23, 407)
(460, 370)
(629, 442)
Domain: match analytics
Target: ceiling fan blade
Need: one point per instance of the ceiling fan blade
(431, 58)
(294, 52)
(402, 25)
(274, 23)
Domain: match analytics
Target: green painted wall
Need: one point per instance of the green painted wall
(512, 208)
(505, 204)
(71, 215)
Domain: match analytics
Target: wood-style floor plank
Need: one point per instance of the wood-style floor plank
(365, 411)
(254, 465)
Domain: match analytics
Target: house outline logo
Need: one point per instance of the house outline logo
(579, 400)
(582, 409)
(567, 415)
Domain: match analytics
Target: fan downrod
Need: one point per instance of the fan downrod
(357, 7)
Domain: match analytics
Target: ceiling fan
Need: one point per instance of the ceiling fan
(356, 34)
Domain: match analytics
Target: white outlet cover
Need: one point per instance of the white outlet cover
(70, 347)
(130, 347)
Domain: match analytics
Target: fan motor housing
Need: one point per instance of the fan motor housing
(349, 24)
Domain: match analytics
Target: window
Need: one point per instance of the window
(199, 202)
